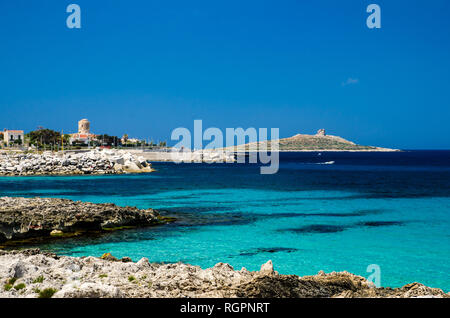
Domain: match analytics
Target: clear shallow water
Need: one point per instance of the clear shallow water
(390, 209)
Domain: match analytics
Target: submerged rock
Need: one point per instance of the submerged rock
(96, 277)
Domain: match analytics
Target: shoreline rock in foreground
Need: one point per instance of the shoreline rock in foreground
(31, 273)
(23, 218)
(94, 162)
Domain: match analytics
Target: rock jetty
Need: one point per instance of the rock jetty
(187, 156)
(24, 218)
(31, 273)
(94, 162)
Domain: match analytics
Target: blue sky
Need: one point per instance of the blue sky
(147, 67)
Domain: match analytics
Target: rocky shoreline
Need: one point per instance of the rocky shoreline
(25, 218)
(94, 162)
(32, 273)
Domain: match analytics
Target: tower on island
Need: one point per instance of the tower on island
(321, 132)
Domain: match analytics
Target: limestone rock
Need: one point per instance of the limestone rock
(95, 277)
(94, 162)
(56, 233)
(267, 268)
(89, 290)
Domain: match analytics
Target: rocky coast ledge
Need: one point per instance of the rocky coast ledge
(30, 218)
(94, 162)
(31, 273)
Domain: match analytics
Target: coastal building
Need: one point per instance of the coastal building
(84, 135)
(126, 140)
(13, 137)
(133, 140)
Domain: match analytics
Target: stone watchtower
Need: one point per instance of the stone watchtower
(84, 127)
(321, 132)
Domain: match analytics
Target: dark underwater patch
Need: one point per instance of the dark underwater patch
(350, 214)
(212, 219)
(324, 214)
(195, 209)
(335, 214)
(202, 216)
(183, 197)
(380, 223)
(318, 228)
(326, 228)
(262, 250)
(363, 212)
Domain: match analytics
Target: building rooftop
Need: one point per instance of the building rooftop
(13, 131)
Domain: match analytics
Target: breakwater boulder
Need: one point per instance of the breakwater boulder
(24, 218)
(94, 162)
(32, 273)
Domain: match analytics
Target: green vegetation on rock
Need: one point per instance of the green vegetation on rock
(47, 293)
(38, 280)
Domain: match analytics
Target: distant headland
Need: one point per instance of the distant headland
(302, 142)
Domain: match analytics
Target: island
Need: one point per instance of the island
(303, 142)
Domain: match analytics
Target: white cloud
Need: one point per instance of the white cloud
(350, 81)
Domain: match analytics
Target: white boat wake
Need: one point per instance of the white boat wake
(326, 163)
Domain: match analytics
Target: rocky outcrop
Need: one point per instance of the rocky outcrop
(94, 162)
(32, 273)
(22, 218)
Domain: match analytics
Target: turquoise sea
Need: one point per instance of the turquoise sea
(389, 209)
